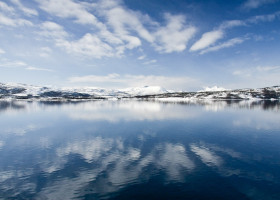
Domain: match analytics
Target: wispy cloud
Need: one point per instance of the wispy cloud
(174, 36)
(10, 17)
(26, 11)
(207, 39)
(117, 19)
(254, 71)
(45, 52)
(38, 69)
(136, 80)
(23, 65)
(89, 45)
(2, 51)
(114, 33)
(268, 68)
(252, 4)
(107, 32)
(223, 45)
(68, 9)
(95, 78)
(150, 62)
(13, 21)
(6, 8)
(260, 76)
(210, 38)
(231, 24)
(52, 30)
(141, 57)
(13, 64)
(264, 18)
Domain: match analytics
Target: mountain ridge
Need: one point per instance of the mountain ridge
(29, 92)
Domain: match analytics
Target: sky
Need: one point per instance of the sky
(176, 44)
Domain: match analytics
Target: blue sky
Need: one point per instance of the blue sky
(176, 44)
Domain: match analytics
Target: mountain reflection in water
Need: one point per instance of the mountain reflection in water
(139, 149)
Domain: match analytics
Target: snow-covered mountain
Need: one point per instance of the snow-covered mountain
(22, 91)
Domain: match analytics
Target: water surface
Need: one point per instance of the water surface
(139, 150)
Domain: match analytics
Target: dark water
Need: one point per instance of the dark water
(139, 150)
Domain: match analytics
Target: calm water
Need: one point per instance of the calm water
(139, 150)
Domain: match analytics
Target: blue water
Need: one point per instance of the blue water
(139, 150)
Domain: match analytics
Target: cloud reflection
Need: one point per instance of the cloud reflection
(129, 111)
(21, 130)
(90, 150)
(207, 156)
(122, 166)
(2, 143)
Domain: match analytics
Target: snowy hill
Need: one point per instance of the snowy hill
(267, 93)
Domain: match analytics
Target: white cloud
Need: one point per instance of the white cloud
(267, 68)
(260, 76)
(52, 30)
(174, 36)
(9, 17)
(45, 52)
(38, 69)
(69, 9)
(141, 57)
(4, 7)
(223, 45)
(210, 38)
(118, 16)
(254, 71)
(207, 39)
(264, 18)
(170, 38)
(21, 64)
(231, 24)
(89, 45)
(14, 22)
(27, 11)
(114, 32)
(126, 34)
(117, 81)
(252, 4)
(94, 78)
(13, 64)
(2, 51)
(150, 62)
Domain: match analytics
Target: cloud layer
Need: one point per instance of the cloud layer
(110, 29)
(135, 80)
(110, 33)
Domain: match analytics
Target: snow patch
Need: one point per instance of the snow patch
(213, 89)
(146, 90)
